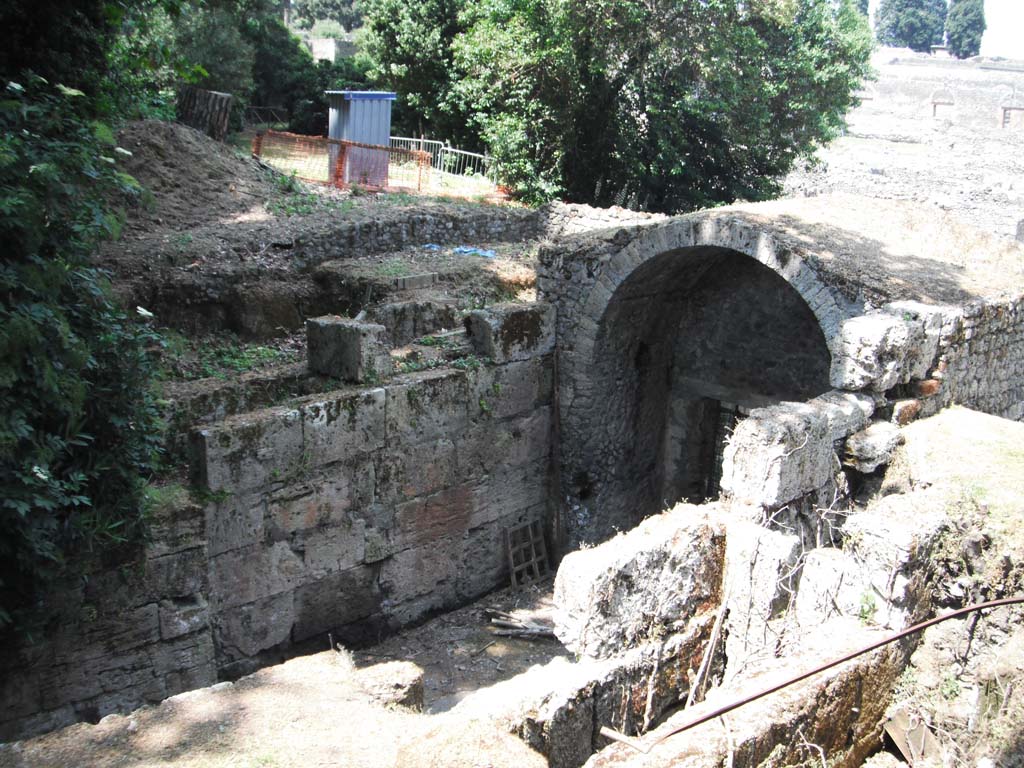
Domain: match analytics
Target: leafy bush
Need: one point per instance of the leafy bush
(79, 429)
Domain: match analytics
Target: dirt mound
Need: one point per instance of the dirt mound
(194, 179)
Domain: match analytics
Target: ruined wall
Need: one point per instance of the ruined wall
(922, 88)
(127, 634)
(641, 309)
(295, 279)
(659, 324)
(353, 512)
(981, 359)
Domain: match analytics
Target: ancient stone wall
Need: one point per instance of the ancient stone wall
(129, 634)
(659, 326)
(981, 360)
(351, 512)
(962, 93)
(623, 298)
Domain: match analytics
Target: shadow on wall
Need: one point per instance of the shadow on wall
(690, 340)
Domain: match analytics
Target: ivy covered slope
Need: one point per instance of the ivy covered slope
(78, 423)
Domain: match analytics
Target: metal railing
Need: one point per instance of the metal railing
(421, 145)
(264, 116)
(448, 159)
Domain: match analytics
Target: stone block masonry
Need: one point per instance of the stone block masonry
(351, 512)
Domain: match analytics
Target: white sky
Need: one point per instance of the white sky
(1004, 32)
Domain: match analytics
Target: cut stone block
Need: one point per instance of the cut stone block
(778, 454)
(640, 585)
(347, 349)
(763, 575)
(869, 449)
(507, 332)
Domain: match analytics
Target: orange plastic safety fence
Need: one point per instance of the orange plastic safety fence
(343, 163)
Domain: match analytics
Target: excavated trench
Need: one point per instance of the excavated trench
(682, 420)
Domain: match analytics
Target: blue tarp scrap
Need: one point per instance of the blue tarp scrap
(468, 250)
(431, 247)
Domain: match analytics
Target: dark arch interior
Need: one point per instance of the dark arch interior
(692, 340)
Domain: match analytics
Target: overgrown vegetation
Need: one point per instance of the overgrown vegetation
(218, 357)
(965, 26)
(914, 24)
(78, 423)
(667, 105)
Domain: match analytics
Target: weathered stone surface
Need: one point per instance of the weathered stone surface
(251, 573)
(639, 585)
(440, 515)
(763, 572)
(515, 389)
(778, 454)
(507, 332)
(240, 454)
(246, 630)
(870, 352)
(431, 468)
(335, 600)
(559, 708)
(838, 711)
(236, 521)
(347, 349)
(433, 406)
(881, 575)
(409, 320)
(340, 426)
(869, 449)
(322, 499)
(845, 412)
(183, 616)
(393, 683)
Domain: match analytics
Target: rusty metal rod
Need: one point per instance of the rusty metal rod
(645, 748)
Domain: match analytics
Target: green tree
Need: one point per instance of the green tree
(864, 6)
(345, 12)
(409, 43)
(915, 24)
(669, 104)
(965, 26)
(79, 431)
(211, 38)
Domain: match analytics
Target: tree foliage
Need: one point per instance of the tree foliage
(669, 104)
(410, 45)
(965, 26)
(78, 424)
(915, 24)
(347, 13)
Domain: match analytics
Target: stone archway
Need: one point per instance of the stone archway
(663, 331)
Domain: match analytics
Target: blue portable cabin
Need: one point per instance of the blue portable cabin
(363, 117)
